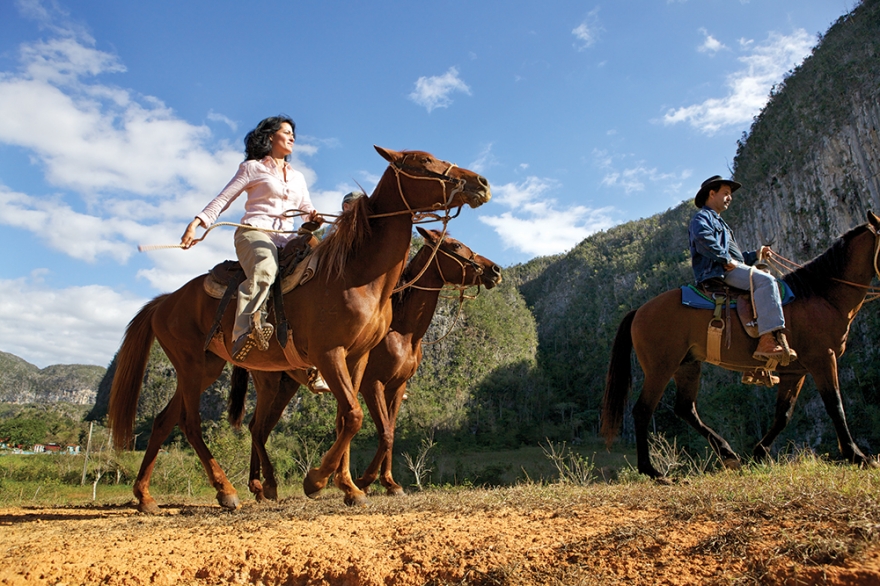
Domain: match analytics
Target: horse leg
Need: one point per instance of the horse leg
(383, 407)
(190, 386)
(829, 390)
(687, 383)
(786, 396)
(643, 410)
(393, 409)
(266, 385)
(373, 392)
(284, 391)
(349, 418)
(162, 426)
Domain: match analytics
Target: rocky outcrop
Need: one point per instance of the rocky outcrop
(22, 382)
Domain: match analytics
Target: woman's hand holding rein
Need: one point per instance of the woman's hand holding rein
(189, 235)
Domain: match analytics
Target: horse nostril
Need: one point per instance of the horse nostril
(482, 181)
(496, 270)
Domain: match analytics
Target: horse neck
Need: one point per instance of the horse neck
(383, 257)
(413, 316)
(859, 271)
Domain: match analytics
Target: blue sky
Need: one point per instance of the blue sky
(120, 120)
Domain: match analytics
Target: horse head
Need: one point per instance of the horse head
(413, 170)
(458, 264)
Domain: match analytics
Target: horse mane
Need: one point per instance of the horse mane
(814, 278)
(409, 273)
(351, 230)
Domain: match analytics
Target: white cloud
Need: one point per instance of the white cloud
(215, 117)
(484, 160)
(638, 177)
(748, 88)
(124, 170)
(76, 325)
(587, 32)
(535, 226)
(434, 92)
(710, 44)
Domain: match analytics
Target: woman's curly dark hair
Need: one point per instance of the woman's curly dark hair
(257, 143)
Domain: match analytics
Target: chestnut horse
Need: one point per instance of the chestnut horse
(336, 319)
(391, 364)
(670, 342)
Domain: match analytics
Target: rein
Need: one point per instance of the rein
(871, 292)
(419, 215)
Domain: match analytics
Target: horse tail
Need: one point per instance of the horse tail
(618, 382)
(131, 362)
(238, 391)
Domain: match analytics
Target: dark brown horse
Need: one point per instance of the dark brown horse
(670, 342)
(391, 363)
(336, 319)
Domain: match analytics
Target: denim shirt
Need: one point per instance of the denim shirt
(712, 245)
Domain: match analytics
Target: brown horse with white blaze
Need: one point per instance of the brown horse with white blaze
(670, 342)
(336, 318)
(442, 263)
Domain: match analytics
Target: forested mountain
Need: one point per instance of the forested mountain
(22, 382)
(527, 360)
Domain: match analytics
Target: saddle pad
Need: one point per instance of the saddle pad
(693, 297)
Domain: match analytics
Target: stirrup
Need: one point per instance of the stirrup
(762, 377)
(316, 383)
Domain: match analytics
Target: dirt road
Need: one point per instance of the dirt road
(471, 537)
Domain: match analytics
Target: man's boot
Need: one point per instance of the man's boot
(768, 348)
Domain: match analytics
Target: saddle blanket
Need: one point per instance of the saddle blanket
(693, 297)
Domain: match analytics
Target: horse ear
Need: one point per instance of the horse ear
(387, 154)
(425, 233)
(873, 220)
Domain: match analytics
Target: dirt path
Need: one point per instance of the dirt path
(321, 542)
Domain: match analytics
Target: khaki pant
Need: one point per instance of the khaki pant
(259, 259)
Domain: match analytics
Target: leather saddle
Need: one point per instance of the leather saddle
(738, 299)
(223, 280)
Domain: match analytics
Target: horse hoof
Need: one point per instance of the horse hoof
(664, 481)
(731, 464)
(312, 487)
(869, 463)
(270, 493)
(395, 491)
(357, 500)
(228, 501)
(149, 507)
(362, 484)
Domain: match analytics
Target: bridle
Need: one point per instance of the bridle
(426, 214)
(463, 262)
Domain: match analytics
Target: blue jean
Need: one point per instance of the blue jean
(765, 295)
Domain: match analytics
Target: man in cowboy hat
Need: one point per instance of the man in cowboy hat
(716, 255)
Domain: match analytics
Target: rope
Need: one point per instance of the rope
(871, 292)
